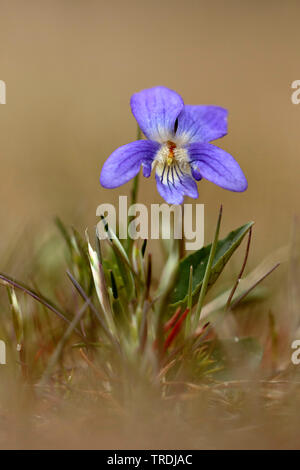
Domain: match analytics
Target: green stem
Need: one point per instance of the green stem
(182, 241)
(207, 272)
(135, 187)
(134, 194)
(189, 304)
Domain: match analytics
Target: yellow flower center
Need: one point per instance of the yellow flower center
(171, 163)
(171, 147)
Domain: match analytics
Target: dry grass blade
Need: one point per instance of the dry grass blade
(235, 304)
(92, 307)
(241, 271)
(60, 346)
(47, 303)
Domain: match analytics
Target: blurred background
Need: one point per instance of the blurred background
(70, 67)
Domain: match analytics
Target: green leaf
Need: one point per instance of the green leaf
(124, 266)
(199, 259)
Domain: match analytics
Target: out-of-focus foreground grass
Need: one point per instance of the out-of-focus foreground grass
(70, 68)
(65, 386)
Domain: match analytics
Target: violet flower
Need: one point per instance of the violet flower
(177, 147)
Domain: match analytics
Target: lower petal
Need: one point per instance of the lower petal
(217, 166)
(125, 162)
(173, 192)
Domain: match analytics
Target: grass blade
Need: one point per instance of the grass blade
(47, 303)
(207, 271)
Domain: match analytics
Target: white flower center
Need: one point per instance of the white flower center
(171, 163)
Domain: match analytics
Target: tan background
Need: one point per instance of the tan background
(71, 66)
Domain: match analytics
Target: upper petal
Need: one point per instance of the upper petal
(124, 163)
(156, 110)
(217, 166)
(201, 123)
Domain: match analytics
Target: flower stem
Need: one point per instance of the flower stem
(182, 241)
(189, 304)
(134, 194)
(135, 187)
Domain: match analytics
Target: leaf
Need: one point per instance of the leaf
(124, 266)
(199, 259)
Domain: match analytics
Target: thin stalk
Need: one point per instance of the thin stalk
(240, 273)
(47, 303)
(207, 272)
(182, 241)
(236, 303)
(135, 186)
(189, 303)
(94, 310)
(134, 195)
(59, 348)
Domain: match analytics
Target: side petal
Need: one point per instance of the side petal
(217, 166)
(156, 110)
(173, 190)
(201, 123)
(124, 163)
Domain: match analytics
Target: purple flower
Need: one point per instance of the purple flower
(177, 147)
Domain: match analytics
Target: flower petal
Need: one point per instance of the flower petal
(147, 168)
(196, 173)
(217, 166)
(201, 123)
(156, 110)
(173, 192)
(124, 163)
